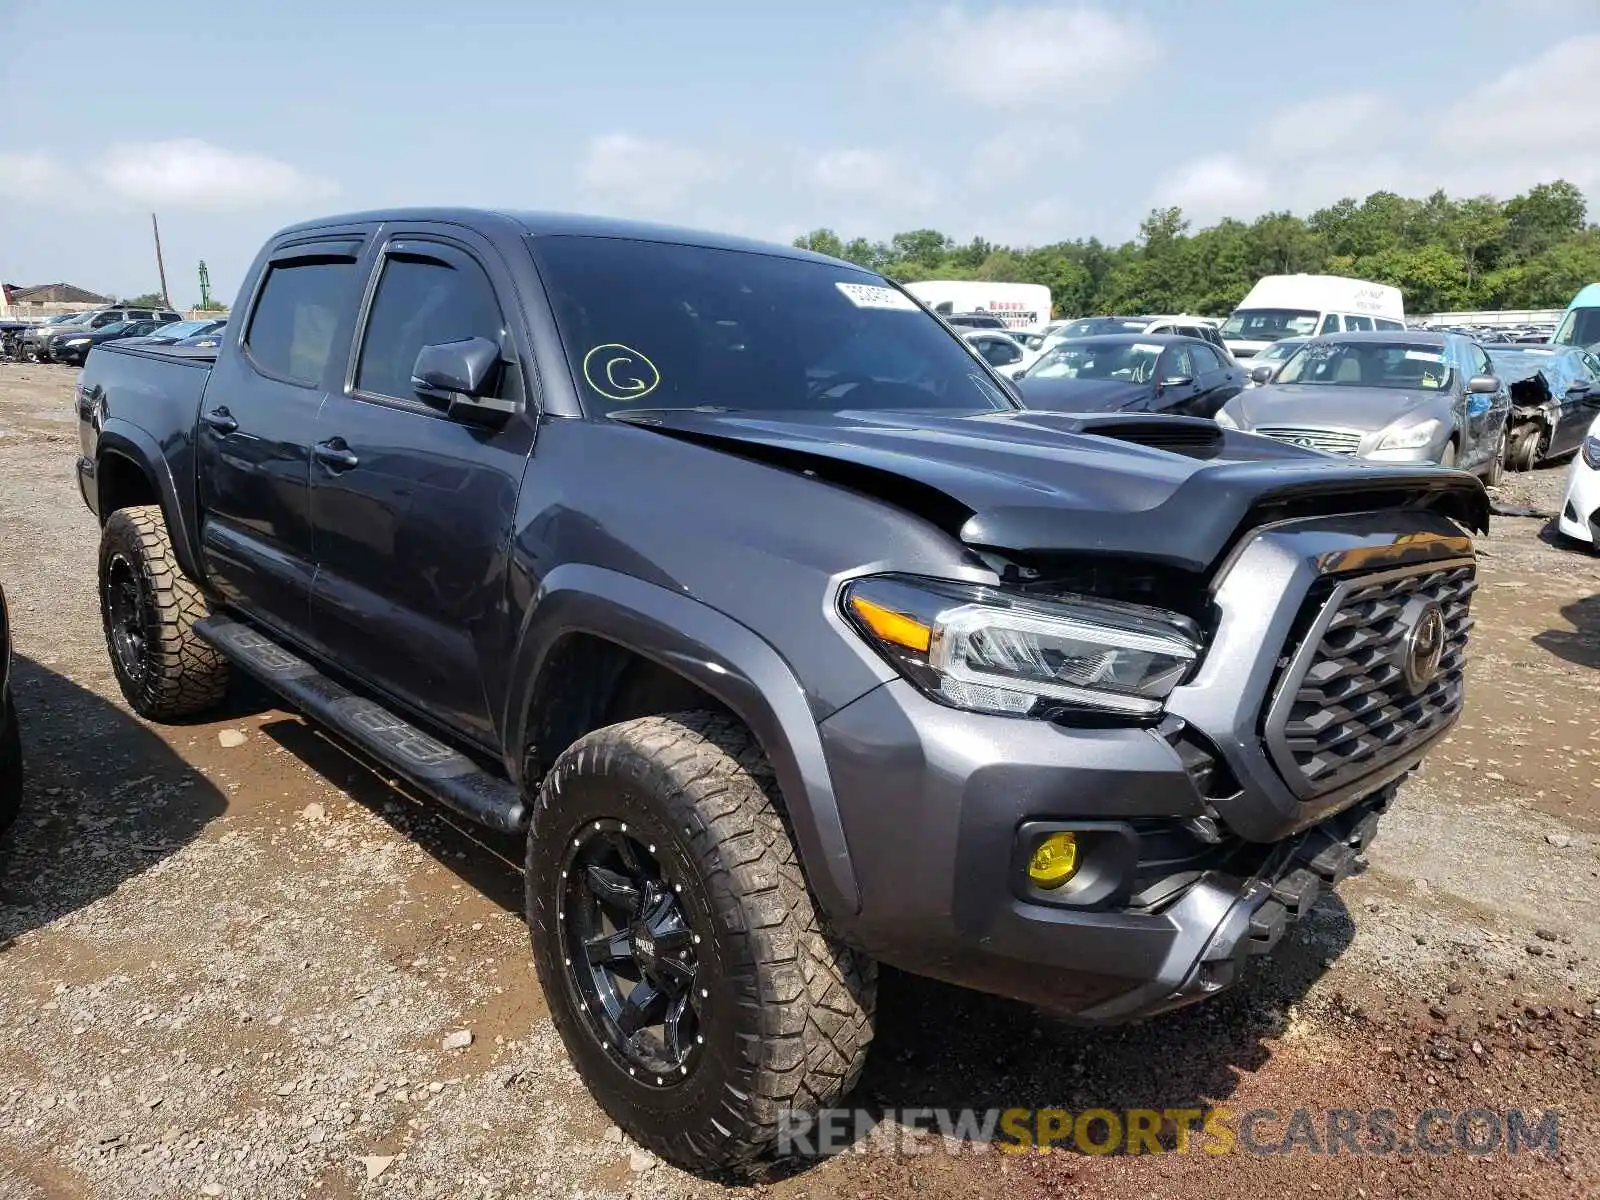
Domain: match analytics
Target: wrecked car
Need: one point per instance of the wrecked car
(732, 580)
(1555, 391)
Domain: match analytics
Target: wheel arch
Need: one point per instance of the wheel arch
(129, 471)
(615, 623)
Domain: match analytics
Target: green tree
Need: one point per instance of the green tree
(1547, 214)
(146, 300)
(821, 241)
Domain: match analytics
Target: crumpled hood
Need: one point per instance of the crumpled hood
(1365, 408)
(1041, 481)
(1080, 395)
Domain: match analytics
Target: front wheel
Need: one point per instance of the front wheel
(148, 607)
(1494, 474)
(678, 946)
(1448, 457)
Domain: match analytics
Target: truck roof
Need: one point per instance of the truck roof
(540, 224)
(1325, 292)
(1588, 297)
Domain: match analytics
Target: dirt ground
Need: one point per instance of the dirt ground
(229, 955)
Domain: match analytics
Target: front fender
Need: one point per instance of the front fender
(723, 658)
(126, 440)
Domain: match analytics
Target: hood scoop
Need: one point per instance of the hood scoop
(1190, 436)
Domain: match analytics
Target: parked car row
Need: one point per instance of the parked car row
(69, 339)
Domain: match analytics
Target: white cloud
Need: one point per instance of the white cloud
(1549, 100)
(1027, 57)
(1331, 122)
(1214, 187)
(870, 175)
(1527, 125)
(645, 174)
(183, 173)
(190, 173)
(31, 176)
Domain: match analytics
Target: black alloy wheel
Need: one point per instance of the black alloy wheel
(630, 953)
(125, 616)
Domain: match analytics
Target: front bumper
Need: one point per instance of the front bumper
(1580, 507)
(1218, 852)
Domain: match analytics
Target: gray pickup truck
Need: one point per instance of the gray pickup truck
(730, 577)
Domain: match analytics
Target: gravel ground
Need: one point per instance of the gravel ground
(232, 960)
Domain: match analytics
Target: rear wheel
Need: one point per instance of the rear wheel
(677, 944)
(148, 607)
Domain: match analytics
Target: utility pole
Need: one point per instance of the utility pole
(161, 266)
(205, 285)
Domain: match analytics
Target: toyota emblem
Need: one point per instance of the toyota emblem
(1422, 650)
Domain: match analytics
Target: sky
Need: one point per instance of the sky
(1025, 122)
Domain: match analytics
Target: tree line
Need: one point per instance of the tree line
(1532, 251)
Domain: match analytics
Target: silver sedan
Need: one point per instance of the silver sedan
(1388, 397)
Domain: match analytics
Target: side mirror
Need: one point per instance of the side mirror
(1261, 374)
(1177, 381)
(1483, 385)
(456, 375)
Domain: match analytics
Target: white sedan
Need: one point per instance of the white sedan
(1000, 350)
(1580, 511)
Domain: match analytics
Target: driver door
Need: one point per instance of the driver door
(412, 510)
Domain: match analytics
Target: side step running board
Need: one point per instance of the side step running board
(447, 775)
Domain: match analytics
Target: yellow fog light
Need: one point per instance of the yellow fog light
(1054, 861)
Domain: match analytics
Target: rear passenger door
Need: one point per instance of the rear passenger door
(257, 421)
(412, 509)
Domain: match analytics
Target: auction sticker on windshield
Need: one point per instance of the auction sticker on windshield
(871, 295)
(1427, 356)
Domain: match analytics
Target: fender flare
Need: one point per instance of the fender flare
(722, 657)
(129, 441)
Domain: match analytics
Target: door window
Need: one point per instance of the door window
(1357, 324)
(423, 301)
(1178, 364)
(292, 330)
(1205, 359)
(1330, 324)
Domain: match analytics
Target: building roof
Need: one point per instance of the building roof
(53, 293)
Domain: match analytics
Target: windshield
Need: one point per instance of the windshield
(180, 329)
(63, 318)
(1096, 327)
(651, 325)
(1129, 362)
(1410, 365)
(1277, 351)
(115, 327)
(1580, 327)
(1269, 324)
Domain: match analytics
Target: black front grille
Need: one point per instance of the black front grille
(1346, 706)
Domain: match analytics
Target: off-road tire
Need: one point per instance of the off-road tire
(10, 766)
(790, 1010)
(179, 674)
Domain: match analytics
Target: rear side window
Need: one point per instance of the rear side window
(1388, 325)
(1330, 324)
(1357, 324)
(422, 301)
(292, 329)
(1205, 359)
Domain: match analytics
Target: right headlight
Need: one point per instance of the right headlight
(988, 650)
(1591, 452)
(1409, 437)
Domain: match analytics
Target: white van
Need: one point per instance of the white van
(1021, 306)
(1281, 306)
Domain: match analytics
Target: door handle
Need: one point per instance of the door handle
(336, 455)
(221, 420)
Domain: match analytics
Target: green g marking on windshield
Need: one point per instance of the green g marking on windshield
(620, 372)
